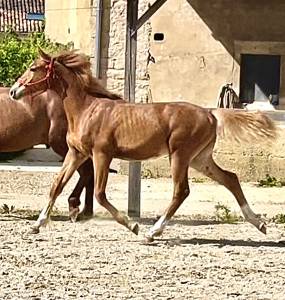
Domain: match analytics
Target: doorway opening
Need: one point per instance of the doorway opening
(260, 78)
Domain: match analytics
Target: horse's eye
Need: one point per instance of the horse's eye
(33, 68)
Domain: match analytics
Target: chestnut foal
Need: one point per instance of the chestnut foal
(101, 129)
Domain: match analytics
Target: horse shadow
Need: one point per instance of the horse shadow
(220, 243)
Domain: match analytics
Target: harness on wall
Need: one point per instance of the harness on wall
(228, 97)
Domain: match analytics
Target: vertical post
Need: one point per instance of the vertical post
(98, 37)
(134, 190)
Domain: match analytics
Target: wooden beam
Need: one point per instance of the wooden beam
(134, 190)
(152, 9)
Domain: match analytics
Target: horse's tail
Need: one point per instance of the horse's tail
(244, 126)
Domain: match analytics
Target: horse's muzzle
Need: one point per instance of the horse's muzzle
(16, 91)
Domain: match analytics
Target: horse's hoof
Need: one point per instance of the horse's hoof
(34, 230)
(73, 214)
(83, 216)
(135, 229)
(262, 228)
(149, 239)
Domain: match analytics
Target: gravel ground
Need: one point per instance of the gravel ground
(196, 258)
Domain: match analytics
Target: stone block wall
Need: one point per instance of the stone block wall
(113, 49)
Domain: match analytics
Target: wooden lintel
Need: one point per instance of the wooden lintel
(151, 10)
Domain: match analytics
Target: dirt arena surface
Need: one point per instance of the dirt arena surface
(196, 258)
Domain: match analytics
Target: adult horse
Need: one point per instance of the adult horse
(101, 128)
(41, 120)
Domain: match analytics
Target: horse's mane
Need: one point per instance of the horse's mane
(80, 65)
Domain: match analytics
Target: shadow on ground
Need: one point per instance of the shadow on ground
(219, 242)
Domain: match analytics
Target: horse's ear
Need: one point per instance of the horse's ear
(44, 55)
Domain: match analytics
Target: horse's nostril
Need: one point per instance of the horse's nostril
(12, 94)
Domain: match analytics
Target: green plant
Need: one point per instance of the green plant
(147, 174)
(224, 214)
(5, 209)
(279, 219)
(199, 179)
(270, 181)
(17, 53)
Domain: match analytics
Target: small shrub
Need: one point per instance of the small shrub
(279, 219)
(198, 180)
(224, 214)
(5, 209)
(17, 53)
(270, 181)
(147, 174)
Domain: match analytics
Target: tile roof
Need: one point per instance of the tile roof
(22, 15)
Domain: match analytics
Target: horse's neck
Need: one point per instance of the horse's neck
(74, 105)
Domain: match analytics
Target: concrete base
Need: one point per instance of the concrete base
(250, 162)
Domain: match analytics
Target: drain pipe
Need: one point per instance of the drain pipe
(99, 14)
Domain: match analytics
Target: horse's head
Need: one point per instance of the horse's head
(36, 78)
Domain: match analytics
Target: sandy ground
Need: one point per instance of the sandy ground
(196, 258)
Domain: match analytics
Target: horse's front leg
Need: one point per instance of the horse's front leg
(71, 163)
(101, 163)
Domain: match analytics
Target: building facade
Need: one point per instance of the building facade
(186, 52)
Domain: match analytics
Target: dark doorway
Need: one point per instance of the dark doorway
(259, 78)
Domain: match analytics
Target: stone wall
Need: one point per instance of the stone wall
(113, 49)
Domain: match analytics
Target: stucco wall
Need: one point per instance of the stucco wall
(70, 21)
(198, 54)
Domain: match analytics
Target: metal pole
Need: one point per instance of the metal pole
(134, 190)
(99, 10)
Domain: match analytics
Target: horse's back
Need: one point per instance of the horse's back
(142, 131)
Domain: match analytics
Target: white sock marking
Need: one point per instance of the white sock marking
(42, 219)
(158, 226)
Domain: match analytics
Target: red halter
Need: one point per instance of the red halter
(49, 74)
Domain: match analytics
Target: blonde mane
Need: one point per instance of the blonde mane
(80, 65)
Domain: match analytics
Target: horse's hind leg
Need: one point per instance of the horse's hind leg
(101, 163)
(179, 170)
(74, 198)
(71, 163)
(86, 180)
(204, 163)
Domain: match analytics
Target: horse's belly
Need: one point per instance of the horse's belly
(142, 152)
